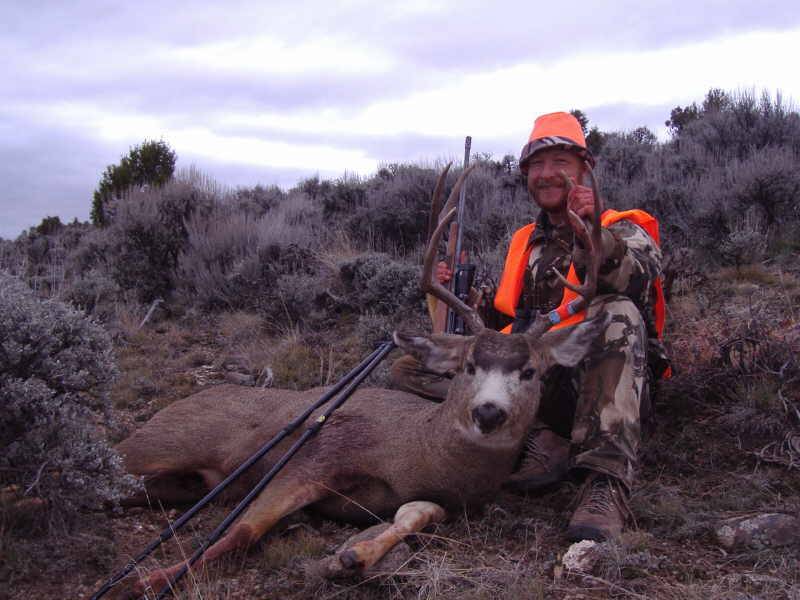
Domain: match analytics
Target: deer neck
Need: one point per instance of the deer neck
(447, 430)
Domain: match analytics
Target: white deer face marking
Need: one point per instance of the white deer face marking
(494, 387)
(501, 402)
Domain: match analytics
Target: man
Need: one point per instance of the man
(590, 416)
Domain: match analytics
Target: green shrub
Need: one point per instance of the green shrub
(49, 225)
(394, 214)
(148, 233)
(234, 261)
(150, 164)
(374, 282)
(343, 196)
(259, 200)
(56, 367)
(90, 288)
(739, 123)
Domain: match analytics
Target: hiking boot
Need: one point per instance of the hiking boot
(602, 510)
(544, 461)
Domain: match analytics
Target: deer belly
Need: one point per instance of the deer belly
(363, 502)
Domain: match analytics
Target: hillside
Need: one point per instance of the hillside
(720, 445)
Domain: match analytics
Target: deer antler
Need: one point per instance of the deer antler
(428, 282)
(436, 208)
(593, 244)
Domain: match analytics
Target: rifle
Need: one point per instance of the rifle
(444, 319)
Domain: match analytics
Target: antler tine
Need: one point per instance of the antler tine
(436, 209)
(428, 282)
(452, 199)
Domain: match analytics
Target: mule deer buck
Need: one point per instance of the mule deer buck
(384, 452)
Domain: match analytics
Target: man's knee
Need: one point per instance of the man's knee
(625, 338)
(622, 310)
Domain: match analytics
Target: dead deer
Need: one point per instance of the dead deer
(383, 453)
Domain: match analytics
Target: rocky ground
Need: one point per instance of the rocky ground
(722, 450)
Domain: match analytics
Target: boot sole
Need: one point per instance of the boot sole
(532, 483)
(577, 533)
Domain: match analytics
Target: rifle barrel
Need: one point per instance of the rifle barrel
(461, 201)
(451, 316)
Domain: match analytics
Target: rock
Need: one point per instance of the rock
(240, 379)
(757, 532)
(266, 378)
(582, 556)
(233, 365)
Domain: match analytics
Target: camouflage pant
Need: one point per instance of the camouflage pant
(595, 404)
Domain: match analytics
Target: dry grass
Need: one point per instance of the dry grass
(296, 544)
(699, 463)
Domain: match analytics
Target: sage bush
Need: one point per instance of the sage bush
(56, 367)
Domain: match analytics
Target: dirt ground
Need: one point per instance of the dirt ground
(718, 447)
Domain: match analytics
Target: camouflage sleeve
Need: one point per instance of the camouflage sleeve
(633, 269)
(631, 264)
(634, 275)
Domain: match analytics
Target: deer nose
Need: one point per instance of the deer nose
(488, 417)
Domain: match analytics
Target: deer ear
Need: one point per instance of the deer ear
(439, 353)
(569, 345)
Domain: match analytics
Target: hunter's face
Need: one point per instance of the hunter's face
(545, 183)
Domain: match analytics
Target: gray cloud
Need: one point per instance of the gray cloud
(117, 55)
(625, 117)
(47, 172)
(86, 50)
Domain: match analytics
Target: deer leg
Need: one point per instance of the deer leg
(274, 503)
(410, 518)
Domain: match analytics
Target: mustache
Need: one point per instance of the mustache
(548, 182)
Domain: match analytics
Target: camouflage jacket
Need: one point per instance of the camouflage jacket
(631, 263)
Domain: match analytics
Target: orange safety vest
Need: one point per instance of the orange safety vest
(519, 252)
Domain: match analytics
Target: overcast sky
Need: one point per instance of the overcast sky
(274, 91)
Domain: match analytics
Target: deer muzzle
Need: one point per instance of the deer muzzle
(488, 417)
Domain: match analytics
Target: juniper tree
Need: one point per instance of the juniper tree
(151, 163)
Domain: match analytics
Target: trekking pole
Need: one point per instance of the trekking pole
(463, 273)
(169, 532)
(311, 430)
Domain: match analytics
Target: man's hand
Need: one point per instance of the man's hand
(443, 272)
(580, 200)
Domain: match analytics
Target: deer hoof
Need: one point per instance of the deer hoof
(349, 560)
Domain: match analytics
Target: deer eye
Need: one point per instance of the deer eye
(470, 368)
(527, 374)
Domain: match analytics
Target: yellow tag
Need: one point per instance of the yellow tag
(321, 419)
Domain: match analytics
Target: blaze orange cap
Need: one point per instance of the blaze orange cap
(555, 130)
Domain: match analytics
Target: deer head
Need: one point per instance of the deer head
(498, 377)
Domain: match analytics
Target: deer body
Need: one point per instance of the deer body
(381, 449)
